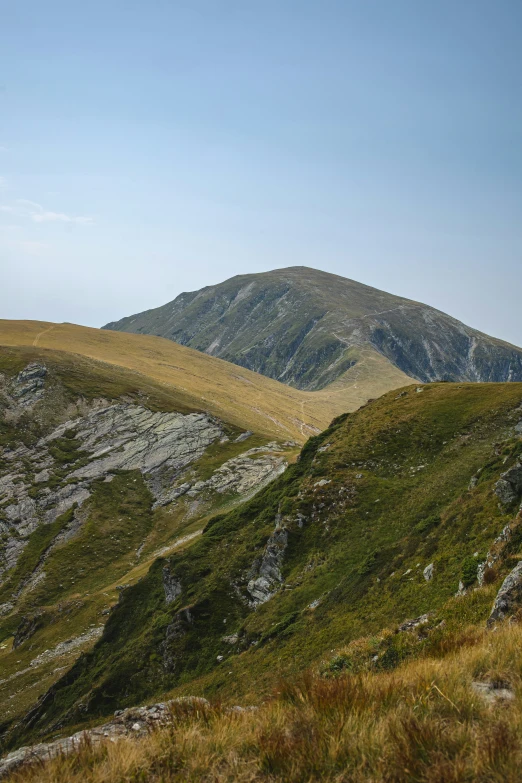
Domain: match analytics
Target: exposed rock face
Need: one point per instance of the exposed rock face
(495, 552)
(171, 585)
(61, 650)
(509, 487)
(266, 576)
(493, 692)
(306, 328)
(133, 722)
(428, 572)
(28, 386)
(509, 597)
(245, 473)
(130, 437)
(179, 626)
(112, 437)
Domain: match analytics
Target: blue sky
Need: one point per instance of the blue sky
(147, 148)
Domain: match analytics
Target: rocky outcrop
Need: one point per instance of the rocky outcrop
(249, 472)
(133, 722)
(130, 437)
(171, 586)
(265, 575)
(27, 388)
(62, 649)
(410, 625)
(509, 487)
(115, 437)
(493, 692)
(177, 628)
(509, 597)
(496, 550)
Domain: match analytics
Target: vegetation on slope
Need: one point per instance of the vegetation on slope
(371, 502)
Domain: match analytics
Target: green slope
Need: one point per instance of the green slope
(371, 502)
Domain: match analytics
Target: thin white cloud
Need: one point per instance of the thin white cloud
(38, 214)
(58, 217)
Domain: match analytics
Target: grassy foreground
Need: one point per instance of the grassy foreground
(422, 722)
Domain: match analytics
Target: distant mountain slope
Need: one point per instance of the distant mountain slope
(200, 382)
(307, 328)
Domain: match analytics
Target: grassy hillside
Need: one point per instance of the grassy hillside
(309, 328)
(342, 540)
(234, 394)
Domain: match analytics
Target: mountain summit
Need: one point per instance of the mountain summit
(308, 328)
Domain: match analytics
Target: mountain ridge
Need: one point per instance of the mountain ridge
(307, 328)
(206, 382)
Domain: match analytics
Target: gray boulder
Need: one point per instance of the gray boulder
(509, 597)
(509, 487)
(410, 625)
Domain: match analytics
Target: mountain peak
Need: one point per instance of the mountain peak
(309, 328)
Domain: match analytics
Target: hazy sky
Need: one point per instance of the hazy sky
(153, 147)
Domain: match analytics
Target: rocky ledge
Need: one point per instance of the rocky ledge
(133, 722)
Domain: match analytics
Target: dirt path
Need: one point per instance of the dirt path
(35, 341)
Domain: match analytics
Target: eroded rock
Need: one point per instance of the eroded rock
(171, 585)
(509, 487)
(249, 472)
(509, 597)
(132, 722)
(495, 552)
(115, 437)
(27, 388)
(267, 577)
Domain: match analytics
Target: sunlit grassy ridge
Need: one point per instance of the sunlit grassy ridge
(383, 493)
(198, 381)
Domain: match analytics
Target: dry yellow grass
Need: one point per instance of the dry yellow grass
(424, 722)
(233, 393)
